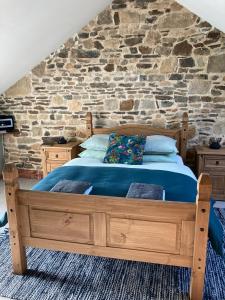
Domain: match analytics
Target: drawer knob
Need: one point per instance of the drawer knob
(217, 162)
(56, 156)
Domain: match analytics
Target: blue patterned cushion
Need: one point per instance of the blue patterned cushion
(125, 149)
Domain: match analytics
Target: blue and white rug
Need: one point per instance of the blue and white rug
(64, 276)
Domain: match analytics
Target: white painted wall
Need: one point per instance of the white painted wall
(212, 11)
(30, 30)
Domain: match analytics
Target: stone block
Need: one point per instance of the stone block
(152, 38)
(127, 105)
(147, 104)
(129, 17)
(105, 17)
(159, 122)
(182, 49)
(133, 41)
(74, 106)
(109, 68)
(187, 62)
(37, 131)
(57, 101)
(39, 70)
(80, 53)
(199, 87)
(169, 65)
(111, 104)
(21, 88)
(219, 128)
(88, 44)
(145, 49)
(112, 43)
(176, 20)
(216, 64)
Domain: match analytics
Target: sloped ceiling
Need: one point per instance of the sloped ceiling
(31, 30)
(212, 11)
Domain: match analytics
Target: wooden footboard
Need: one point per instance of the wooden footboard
(171, 233)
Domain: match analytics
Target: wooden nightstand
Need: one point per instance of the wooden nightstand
(213, 162)
(58, 154)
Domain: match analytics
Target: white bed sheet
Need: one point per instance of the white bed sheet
(178, 167)
(179, 160)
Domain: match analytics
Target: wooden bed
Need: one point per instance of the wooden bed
(170, 233)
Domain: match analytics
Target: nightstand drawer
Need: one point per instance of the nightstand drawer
(53, 165)
(59, 155)
(214, 162)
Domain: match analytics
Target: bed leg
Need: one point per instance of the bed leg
(10, 176)
(201, 237)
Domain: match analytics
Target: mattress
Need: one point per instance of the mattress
(177, 167)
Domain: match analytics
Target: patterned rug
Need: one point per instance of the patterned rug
(221, 215)
(59, 276)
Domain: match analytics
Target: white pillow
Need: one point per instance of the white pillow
(96, 142)
(160, 144)
(99, 154)
(155, 144)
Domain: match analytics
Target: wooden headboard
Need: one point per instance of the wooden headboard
(180, 134)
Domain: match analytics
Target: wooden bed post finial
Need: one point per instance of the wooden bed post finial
(89, 125)
(10, 173)
(184, 136)
(201, 237)
(10, 176)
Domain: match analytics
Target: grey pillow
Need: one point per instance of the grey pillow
(71, 186)
(145, 191)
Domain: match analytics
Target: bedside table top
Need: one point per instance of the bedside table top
(208, 151)
(69, 145)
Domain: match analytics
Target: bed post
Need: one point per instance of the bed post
(10, 176)
(201, 237)
(184, 136)
(89, 125)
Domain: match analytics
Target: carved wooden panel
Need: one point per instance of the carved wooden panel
(145, 235)
(61, 226)
(187, 238)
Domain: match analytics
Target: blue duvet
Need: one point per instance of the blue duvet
(115, 181)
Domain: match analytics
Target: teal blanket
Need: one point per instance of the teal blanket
(116, 181)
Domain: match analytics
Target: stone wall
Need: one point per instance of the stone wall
(142, 61)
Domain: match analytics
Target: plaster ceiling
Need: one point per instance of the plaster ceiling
(212, 11)
(31, 30)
